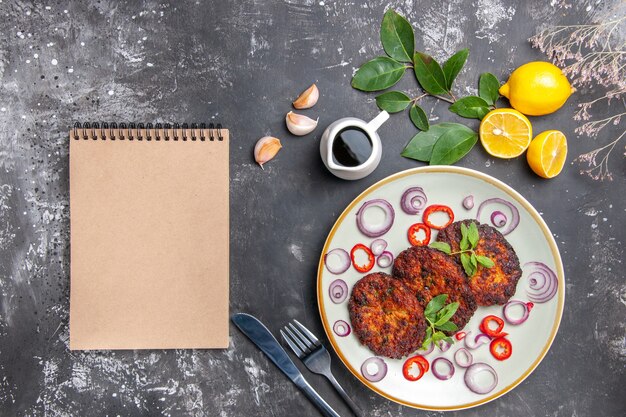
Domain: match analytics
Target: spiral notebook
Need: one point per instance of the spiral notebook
(149, 236)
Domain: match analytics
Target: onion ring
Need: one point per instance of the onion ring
(472, 383)
(378, 246)
(379, 374)
(385, 259)
(506, 312)
(441, 375)
(468, 202)
(341, 328)
(413, 200)
(343, 263)
(514, 213)
(338, 291)
(542, 282)
(498, 219)
(463, 358)
(375, 230)
(474, 342)
(443, 345)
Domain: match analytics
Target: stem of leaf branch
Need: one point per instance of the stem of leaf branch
(461, 251)
(416, 99)
(452, 100)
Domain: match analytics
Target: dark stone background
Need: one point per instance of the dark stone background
(241, 63)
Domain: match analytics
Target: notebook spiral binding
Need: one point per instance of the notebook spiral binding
(148, 132)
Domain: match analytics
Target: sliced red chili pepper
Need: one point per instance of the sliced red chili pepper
(420, 362)
(530, 306)
(424, 363)
(413, 231)
(370, 258)
(435, 208)
(460, 335)
(490, 331)
(501, 348)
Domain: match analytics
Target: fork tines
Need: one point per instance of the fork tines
(299, 339)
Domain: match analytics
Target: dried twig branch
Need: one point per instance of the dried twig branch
(591, 55)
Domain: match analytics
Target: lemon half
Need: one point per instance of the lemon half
(547, 152)
(505, 133)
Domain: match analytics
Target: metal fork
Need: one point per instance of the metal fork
(315, 357)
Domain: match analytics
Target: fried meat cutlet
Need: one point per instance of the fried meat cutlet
(494, 285)
(386, 317)
(428, 272)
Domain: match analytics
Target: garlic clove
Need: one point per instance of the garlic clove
(308, 98)
(266, 149)
(300, 125)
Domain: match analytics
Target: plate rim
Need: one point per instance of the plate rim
(503, 187)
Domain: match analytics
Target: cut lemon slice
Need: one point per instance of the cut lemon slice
(547, 152)
(505, 133)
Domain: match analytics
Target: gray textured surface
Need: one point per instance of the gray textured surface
(242, 62)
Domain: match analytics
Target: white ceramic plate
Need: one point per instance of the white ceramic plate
(531, 240)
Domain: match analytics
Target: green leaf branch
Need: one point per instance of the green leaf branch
(469, 258)
(435, 80)
(438, 316)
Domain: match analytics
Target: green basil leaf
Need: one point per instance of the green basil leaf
(442, 246)
(449, 340)
(472, 234)
(396, 35)
(473, 260)
(453, 66)
(393, 101)
(435, 304)
(429, 74)
(440, 314)
(452, 146)
(418, 117)
(484, 261)
(447, 327)
(427, 338)
(446, 313)
(438, 336)
(378, 74)
(464, 244)
(420, 147)
(429, 332)
(488, 87)
(467, 265)
(471, 107)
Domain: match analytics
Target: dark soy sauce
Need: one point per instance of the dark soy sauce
(351, 147)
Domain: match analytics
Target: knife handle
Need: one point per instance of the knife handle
(316, 399)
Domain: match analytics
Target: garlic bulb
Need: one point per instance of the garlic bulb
(307, 99)
(265, 149)
(300, 125)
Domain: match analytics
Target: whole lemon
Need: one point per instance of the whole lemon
(537, 88)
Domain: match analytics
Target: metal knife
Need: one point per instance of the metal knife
(263, 338)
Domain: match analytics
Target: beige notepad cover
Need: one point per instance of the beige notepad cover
(149, 243)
